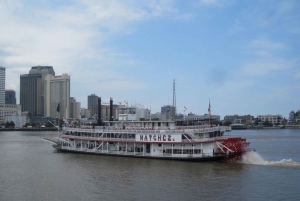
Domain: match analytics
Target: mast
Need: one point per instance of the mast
(174, 96)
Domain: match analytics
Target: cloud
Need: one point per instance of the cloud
(211, 2)
(266, 48)
(267, 45)
(278, 16)
(71, 36)
(262, 67)
(268, 57)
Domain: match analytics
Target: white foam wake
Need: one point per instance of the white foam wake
(255, 159)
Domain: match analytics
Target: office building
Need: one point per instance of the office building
(93, 105)
(245, 119)
(18, 120)
(57, 96)
(10, 97)
(75, 111)
(274, 119)
(205, 117)
(2, 85)
(32, 89)
(30, 93)
(168, 112)
(8, 110)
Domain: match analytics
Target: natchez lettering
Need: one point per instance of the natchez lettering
(155, 138)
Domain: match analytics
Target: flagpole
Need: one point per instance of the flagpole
(209, 113)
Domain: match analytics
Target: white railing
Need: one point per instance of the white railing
(133, 139)
(131, 130)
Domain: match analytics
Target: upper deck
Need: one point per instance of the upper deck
(157, 130)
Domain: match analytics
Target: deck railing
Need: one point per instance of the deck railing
(116, 139)
(133, 130)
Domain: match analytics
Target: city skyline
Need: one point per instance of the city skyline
(243, 56)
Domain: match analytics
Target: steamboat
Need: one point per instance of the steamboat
(152, 140)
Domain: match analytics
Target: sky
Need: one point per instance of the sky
(242, 56)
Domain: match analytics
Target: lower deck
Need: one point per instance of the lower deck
(203, 158)
(187, 150)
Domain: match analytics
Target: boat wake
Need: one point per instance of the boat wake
(255, 159)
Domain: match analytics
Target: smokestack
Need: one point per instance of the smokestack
(111, 110)
(99, 121)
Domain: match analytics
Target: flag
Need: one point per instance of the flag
(58, 108)
(168, 109)
(185, 108)
(149, 111)
(209, 108)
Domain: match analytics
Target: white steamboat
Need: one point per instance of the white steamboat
(152, 139)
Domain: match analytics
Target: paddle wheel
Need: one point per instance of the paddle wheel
(235, 147)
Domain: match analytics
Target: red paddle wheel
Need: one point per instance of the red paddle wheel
(234, 146)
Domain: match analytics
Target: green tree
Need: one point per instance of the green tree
(267, 123)
(216, 122)
(227, 123)
(12, 124)
(48, 124)
(33, 124)
(7, 124)
(26, 124)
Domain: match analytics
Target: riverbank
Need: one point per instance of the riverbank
(28, 129)
(263, 127)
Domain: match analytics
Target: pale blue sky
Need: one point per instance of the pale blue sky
(243, 55)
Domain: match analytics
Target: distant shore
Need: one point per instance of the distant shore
(28, 129)
(263, 127)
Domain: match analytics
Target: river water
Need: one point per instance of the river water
(30, 169)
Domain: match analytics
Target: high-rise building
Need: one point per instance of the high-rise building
(2, 85)
(31, 93)
(75, 111)
(93, 104)
(168, 112)
(43, 70)
(10, 97)
(32, 89)
(57, 96)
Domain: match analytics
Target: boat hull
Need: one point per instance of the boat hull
(218, 157)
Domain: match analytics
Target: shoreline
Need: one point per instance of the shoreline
(28, 129)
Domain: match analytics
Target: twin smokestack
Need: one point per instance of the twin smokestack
(111, 118)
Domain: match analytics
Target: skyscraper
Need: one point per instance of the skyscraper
(75, 111)
(93, 104)
(2, 85)
(57, 96)
(10, 97)
(43, 70)
(32, 89)
(31, 93)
